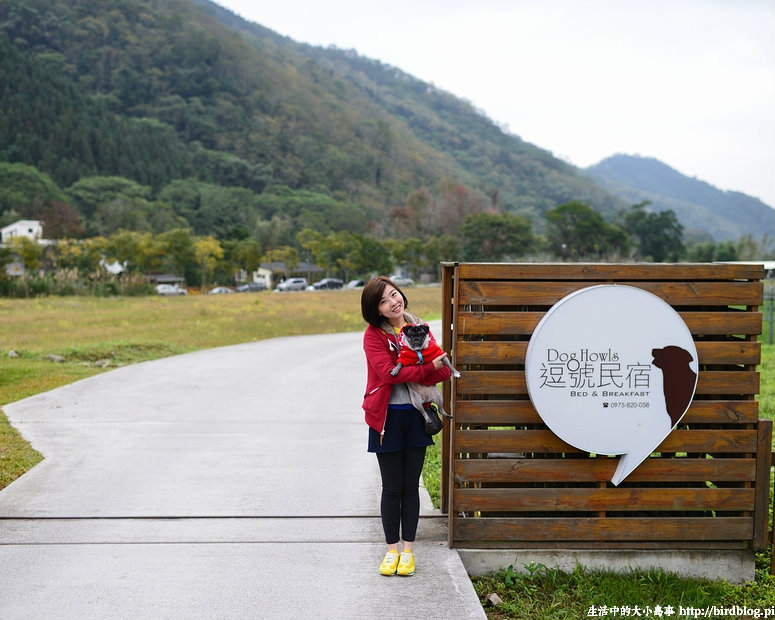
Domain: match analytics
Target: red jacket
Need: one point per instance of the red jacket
(381, 351)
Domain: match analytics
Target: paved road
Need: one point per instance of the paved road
(229, 483)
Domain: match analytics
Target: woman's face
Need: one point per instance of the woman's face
(391, 306)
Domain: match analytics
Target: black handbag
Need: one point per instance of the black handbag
(433, 421)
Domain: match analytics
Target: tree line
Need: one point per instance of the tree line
(211, 235)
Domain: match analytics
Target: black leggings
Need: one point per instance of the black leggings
(400, 505)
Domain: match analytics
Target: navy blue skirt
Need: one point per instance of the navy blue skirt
(404, 428)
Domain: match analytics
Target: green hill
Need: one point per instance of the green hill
(699, 206)
(183, 97)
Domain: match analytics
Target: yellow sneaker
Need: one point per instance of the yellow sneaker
(406, 565)
(389, 563)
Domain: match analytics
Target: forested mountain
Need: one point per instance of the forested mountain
(186, 114)
(150, 115)
(699, 206)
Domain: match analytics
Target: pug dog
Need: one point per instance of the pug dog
(418, 346)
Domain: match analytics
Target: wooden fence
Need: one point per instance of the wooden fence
(509, 482)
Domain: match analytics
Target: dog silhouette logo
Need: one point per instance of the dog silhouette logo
(678, 379)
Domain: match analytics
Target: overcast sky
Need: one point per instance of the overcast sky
(689, 82)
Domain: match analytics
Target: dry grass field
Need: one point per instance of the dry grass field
(122, 330)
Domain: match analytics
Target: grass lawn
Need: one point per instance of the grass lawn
(92, 335)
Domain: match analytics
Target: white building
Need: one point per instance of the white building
(32, 229)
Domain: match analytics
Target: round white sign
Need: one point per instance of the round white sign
(611, 369)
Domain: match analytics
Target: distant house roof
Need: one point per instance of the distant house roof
(32, 229)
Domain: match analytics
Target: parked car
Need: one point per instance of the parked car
(170, 289)
(327, 283)
(355, 284)
(220, 290)
(293, 284)
(251, 287)
(402, 281)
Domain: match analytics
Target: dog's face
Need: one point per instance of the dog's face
(671, 358)
(415, 336)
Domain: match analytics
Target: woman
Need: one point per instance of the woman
(396, 428)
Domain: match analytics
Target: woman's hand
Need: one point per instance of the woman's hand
(439, 361)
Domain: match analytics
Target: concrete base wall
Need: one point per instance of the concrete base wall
(733, 566)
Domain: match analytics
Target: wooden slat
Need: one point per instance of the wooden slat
(722, 412)
(738, 352)
(515, 412)
(524, 323)
(706, 293)
(629, 545)
(532, 293)
(585, 470)
(723, 323)
(609, 272)
(513, 382)
(496, 412)
(546, 442)
(509, 352)
(528, 441)
(492, 382)
(493, 352)
(448, 319)
(597, 500)
(498, 323)
(525, 530)
(762, 486)
(727, 382)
